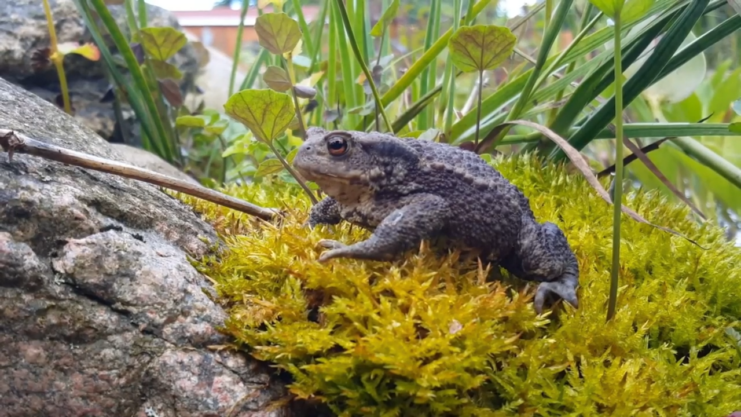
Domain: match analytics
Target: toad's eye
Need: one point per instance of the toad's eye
(337, 146)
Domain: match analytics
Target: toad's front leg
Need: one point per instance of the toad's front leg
(326, 211)
(419, 217)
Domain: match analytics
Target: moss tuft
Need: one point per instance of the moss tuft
(430, 335)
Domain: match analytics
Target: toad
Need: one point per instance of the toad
(406, 190)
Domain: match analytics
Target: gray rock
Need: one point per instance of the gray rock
(101, 312)
(23, 30)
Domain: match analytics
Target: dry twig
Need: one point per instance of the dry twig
(14, 142)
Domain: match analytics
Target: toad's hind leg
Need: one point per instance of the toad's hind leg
(543, 254)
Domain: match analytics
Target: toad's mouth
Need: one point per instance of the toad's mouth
(319, 174)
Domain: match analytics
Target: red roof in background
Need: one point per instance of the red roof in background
(225, 16)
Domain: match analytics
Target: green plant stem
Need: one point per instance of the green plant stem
(350, 91)
(478, 105)
(238, 47)
(131, 20)
(292, 77)
(134, 97)
(449, 79)
(293, 173)
(585, 26)
(142, 9)
(57, 58)
(378, 62)
(709, 158)
(318, 35)
(424, 84)
(249, 79)
(363, 66)
(308, 43)
(618, 193)
(332, 63)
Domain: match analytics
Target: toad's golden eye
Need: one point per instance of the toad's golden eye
(337, 145)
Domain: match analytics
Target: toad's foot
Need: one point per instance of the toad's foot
(564, 287)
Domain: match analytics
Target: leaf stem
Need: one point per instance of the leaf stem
(617, 201)
(478, 106)
(363, 66)
(293, 173)
(292, 76)
(57, 58)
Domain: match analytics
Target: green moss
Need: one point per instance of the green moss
(428, 335)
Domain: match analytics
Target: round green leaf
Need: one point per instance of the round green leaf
(217, 128)
(480, 47)
(386, 19)
(190, 121)
(629, 9)
(277, 78)
(277, 32)
(265, 112)
(162, 43)
(268, 166)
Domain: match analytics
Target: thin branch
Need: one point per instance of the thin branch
(14, 142)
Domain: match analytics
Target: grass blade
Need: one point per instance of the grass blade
(136, 73)
(666, 47)
(308, 42)
(551, 33)
(428, 74)
(598, 81)
(348, 77)
(249, 79)
(645, 130)
(363, 66)
(134, 97)
(581, 164)
(709, 158)
(238, 47)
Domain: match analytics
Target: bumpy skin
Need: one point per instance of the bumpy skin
(407, 190)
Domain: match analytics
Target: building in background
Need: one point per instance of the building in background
(217, 28)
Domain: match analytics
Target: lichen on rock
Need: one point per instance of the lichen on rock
(432, 335)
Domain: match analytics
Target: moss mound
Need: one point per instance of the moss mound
(433, 336)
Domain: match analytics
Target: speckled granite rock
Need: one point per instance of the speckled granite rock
(101, 314)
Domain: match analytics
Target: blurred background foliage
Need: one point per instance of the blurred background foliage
(682, 111)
